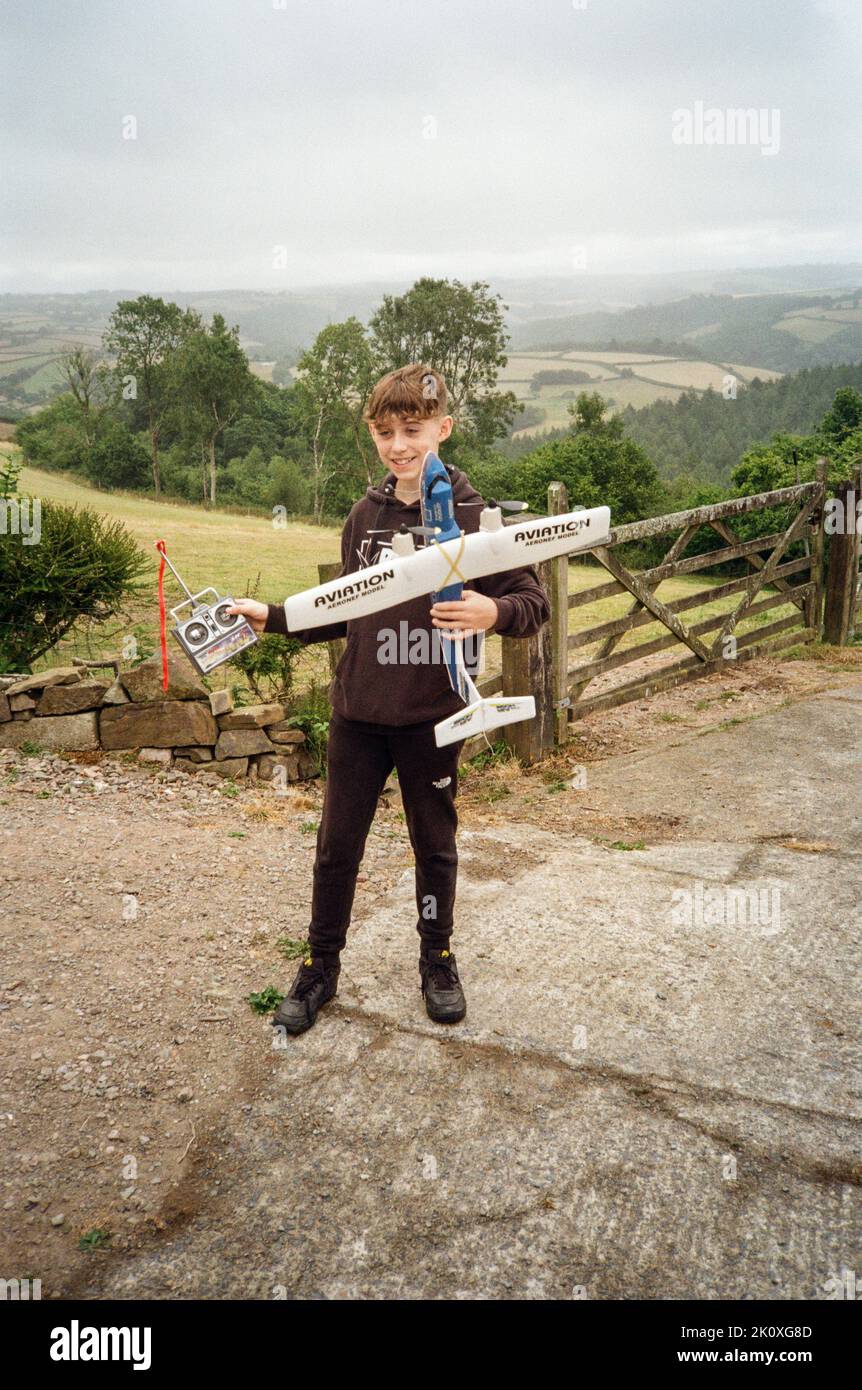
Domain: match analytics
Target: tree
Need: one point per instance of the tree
(458, 330)
(286, 487)
(588, 416)
(215, 386)
(117, 457)
(599, 468)
(333, 384)
(143, 335)
(845, 417)
(53, 437)
(86, 379)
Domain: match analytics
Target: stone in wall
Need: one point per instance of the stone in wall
(221, 702)
(168, 724)
(297, 765)
(227, 767)
(241, 743)
(280, 734)
(143, 684)
(252, 717)
(71, 699)
(115, 695)
(55, 732)
(161, 756)
(56, 675)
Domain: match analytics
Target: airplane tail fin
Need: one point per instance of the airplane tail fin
(482, 715)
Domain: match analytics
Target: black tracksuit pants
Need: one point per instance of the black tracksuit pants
(360, 757)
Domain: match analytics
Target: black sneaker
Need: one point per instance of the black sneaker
(316, 982)
(444, 997)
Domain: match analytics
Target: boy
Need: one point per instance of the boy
(383, 715)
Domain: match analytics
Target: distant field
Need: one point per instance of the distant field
(749, 373)
(656, 377)
(809, 330)
(626, 359)
(697, 374)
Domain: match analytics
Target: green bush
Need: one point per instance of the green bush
(82, 567)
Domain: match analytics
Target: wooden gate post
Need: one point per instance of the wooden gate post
(814, 602)
(558, 592)
(529, 666)
(842, 578)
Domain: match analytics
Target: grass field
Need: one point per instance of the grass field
(656, 377)
(809, 330)
(235, 552)
(231, 552)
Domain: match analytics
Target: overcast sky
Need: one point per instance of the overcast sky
(381, 139)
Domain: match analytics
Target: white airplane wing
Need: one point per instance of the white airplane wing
(402, 577)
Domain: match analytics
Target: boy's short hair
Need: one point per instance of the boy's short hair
(413, 390)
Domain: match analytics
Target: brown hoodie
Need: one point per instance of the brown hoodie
(404, 692)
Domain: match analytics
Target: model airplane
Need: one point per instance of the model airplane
(440, 570)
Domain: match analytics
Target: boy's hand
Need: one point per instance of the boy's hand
(459, 617)
(256, 613)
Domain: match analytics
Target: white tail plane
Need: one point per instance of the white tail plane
(483, 714)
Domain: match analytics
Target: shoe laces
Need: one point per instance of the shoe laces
(442, 974)
(311, 973)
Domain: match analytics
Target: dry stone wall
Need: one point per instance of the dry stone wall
(73, 708)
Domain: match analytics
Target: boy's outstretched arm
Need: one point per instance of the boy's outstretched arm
(276, 620)
(271, 617)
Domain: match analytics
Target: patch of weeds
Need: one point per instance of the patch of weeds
(236, 834)
(702, 704)
(494, 794)
(556, 784)
(229, 788)
(31, 749)
(619, 844)
(292, 949)
(309, 827)
(42, 796)
(266, 1000)
(729, 723)
(310, 712)
(499, 752)
(92, 1240)
(671, 718)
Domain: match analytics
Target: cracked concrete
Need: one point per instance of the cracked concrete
(638, 1105)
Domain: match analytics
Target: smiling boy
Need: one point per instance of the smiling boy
(383, 715)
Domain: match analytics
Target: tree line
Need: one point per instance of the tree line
(172, 408)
